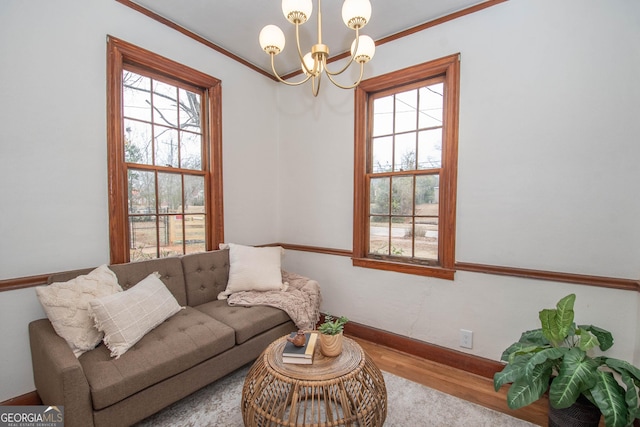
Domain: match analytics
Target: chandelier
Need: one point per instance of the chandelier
(355, 14)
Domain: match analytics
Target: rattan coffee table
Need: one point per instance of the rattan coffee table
(346, 390)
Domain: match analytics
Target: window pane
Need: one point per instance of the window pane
(172, 235)
(405, 152)
(379, 235)
(406, 111)
(194, 228)
(170, 244)
(166, 146)
(426, 220)
(136, 96)
(382, 154)
(143, 239)
(426, 238)
(170, 193)
(183, 229)
(193, 247)
(190, 151)
(401, 242)
(142, 193)
(137, 140)
(383, 116)
(379, 196)
(193, 194)
(427, 197)
(165, 104)
(431, 101)
(430, 149)
(195, 222)
(189, 110)
(402, 195)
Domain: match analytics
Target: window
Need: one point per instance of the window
(164, 154)
(405, 169)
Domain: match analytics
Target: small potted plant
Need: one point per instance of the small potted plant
(331, 335)
(555, 358)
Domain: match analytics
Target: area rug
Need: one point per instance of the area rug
(409, 405)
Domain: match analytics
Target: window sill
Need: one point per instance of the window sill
(420, 270)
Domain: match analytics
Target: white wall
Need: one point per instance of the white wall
(548, 176)
(53, 161)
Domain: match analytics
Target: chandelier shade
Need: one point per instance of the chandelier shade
(366, 49)
(355, 15)
(297, 10)
(356, 12)
(272, 39)
(308, 64)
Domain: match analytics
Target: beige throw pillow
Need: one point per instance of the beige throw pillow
(66, 305)
(253, 269)
(126, 317)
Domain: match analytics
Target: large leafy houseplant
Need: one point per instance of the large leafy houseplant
(556, 358)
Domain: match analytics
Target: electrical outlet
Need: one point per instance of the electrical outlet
(466, 338)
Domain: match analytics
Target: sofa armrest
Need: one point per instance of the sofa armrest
(58, 375)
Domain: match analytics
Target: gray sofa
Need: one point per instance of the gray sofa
(198, 345)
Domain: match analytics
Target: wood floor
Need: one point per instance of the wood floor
(455, 382)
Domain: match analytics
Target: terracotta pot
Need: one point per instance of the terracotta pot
(331, 345)
(583, 413)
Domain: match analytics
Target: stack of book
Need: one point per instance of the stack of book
(300, 355)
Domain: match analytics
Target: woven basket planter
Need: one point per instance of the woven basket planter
(581, 414)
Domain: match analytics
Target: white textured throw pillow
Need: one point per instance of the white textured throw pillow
(67, 303)
(253, 269)
(126, 317)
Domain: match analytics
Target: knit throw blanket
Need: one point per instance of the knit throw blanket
(300, 300)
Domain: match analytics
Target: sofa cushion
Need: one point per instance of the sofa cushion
(127, 316)
(253, 269)
(246, 321)
(66, 304)
(206, 275)
(181, 342)
(170, 270)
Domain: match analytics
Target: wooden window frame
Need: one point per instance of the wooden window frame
(120, 53)
(449, 69)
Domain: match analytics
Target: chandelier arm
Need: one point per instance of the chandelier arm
(351, 59)
(304, 66)
(273, 68)
(315, 89)
(353, 85)
(335, 73)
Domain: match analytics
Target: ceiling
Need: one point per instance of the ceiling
(234, 25)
